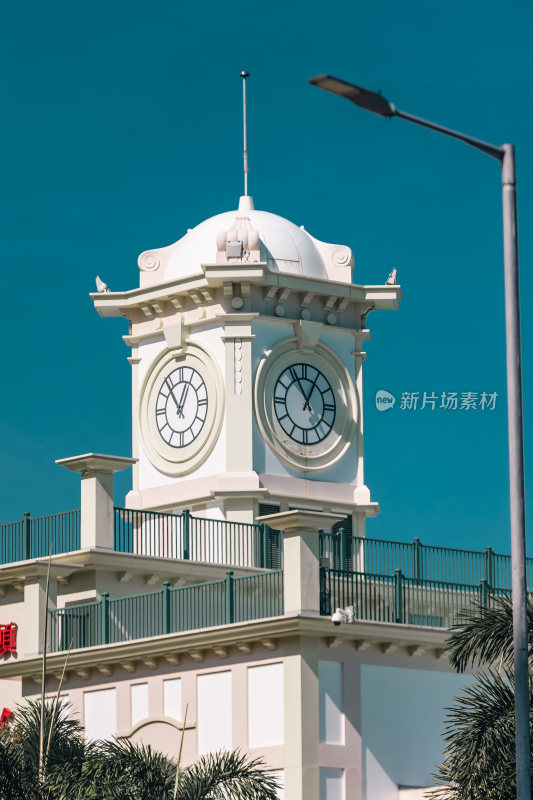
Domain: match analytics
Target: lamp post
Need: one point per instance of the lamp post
(372, 101)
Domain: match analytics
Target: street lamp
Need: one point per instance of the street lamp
(372, 101)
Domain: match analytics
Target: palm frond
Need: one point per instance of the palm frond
(119, 771)
(484, 635)
(225, 775)
(479, 762)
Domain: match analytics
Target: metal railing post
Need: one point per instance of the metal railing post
(166, 607)
(343, 548)
(325, 596)
(398, 598)
(264, 545)
(104, 610)
(230, 598)
(186, 516)
(417, 561)
(489, 566)
(26, 536)
(484, 591)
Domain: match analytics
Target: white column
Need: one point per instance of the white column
(301, 573)
(35, 611)
(96, 495)
(301, 765)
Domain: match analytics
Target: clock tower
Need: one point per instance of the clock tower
(247, 348)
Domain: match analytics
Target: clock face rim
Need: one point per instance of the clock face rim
(176, 404)
(165, 457)
(303, 390)
(311, 457)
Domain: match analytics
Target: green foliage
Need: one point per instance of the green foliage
(485, 635)
(116, 770)
(19, 750)
(479, 761)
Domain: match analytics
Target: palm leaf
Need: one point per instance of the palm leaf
(484, 635)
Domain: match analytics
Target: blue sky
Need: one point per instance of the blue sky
(122, 128)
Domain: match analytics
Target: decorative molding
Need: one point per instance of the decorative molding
(245, 647)
(333, 642)
(105, 669)
(237, 366)
(197, 655)
(362, 635)
(341, 256)
(148, 261)
(416, 650)
(172, 658)
(175, 301)
(270, 644)
(151, 662)
(221, 651)
(83, 672)
(178, 724)
(388, 647)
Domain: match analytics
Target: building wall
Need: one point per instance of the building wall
(379, 721)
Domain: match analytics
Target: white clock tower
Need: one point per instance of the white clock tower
(247, 346)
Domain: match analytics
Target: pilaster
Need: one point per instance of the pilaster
(35, 609)
(96, 495)
(238, 339)
(301, 569)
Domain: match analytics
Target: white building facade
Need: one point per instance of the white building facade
(208, 593)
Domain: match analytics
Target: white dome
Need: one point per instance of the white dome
(282, 245)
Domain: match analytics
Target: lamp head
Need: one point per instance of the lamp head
(371, 101)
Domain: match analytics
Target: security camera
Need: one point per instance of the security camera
(342, 615)
(337, 617)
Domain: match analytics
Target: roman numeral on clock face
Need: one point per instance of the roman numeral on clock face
(181, 406)
(304, 404)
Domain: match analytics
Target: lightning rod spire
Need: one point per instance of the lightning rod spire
(245, 75)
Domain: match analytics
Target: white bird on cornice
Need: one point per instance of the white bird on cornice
(392, 280)
(100, 285)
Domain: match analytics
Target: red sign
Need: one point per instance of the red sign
(8, 638)
(5, 716)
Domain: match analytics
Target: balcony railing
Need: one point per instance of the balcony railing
(400, 599)
(168, 610)
(420, 562)
(36, 537)
(186, 536)
(153, 533)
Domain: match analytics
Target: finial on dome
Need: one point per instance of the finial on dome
(246, 203)
(245, 75)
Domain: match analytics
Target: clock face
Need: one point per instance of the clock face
(181, 406)
(181, 410)
(304, 404)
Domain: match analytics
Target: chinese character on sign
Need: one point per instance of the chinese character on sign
(429, 399)
(468, 400)
(448, 400)
(8, 638)
(5, 717)
(409, 400)
(488, 401)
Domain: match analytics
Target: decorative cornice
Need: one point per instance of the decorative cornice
(363, 636)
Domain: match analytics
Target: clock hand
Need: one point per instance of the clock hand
(298, 381)
(183, 399)
(171, 391)
(306, 404)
